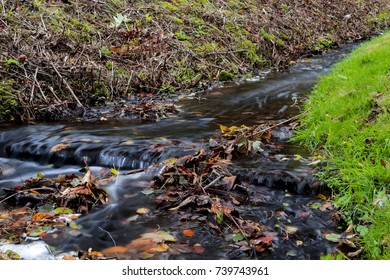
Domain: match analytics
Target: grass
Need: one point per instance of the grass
(348, 121)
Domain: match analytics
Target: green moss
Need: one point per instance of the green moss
(7, 100)
(168, 6)
(177, 20)
(285, 7)
(324, 42)
(225, 76)
(251, 52)
(266, 35)
(206, 48)
(182, 36)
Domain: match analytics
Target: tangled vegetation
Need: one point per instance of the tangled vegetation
(60, 58)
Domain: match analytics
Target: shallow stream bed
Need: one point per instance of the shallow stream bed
(283, 188)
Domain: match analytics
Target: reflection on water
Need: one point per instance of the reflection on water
(127, 145)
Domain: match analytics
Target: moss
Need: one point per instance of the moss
(324, 42)
(177, 20)
(182, 36)
(8, 102)
(267, 36)
(225, 76)
(251, 52)
(168, 6)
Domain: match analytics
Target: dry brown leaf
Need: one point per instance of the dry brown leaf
(21, 211)
(115, 249)
(41, 216)
(230, 181)
(58, 147)
(160, 248)
(325, 206)
(81, 190)
(69, 258)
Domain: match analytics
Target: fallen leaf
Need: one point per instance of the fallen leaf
(142, 211)
(333, 237)
(322, 197)
(115, 249)
(185, 202)
(266, 239)
(291, 229)
(146, 255)
(160, 248)
(229, 181)
(21, 211)
(298, 157)
(4, 215)
(315, 205)
(355, 254)
(223, 128)
(188, 232)
(198, 249)
(159, 236)
(304, 214)
(177, 249)
(69, 258)
(58, 147)
(325, 206)
(63, 210)
(40, 216)
(129, 142)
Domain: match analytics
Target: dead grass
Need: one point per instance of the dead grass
(60, 59)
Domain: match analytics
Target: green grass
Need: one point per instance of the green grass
(348, 121)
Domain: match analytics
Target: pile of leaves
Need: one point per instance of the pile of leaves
(60, 58)
(80, 194)
(202, 184)
(49, 205)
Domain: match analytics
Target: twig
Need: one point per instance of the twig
(281, 123)
(67, 85)
(213, 182)
(109, 234)
(39, 86)
(243, 234)
(12, 195)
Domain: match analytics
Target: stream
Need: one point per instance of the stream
(283, 187)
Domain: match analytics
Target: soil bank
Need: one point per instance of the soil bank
(59, 58)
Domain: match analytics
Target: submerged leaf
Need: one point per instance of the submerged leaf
(291, 229)
(159, 236)
(142, 211)
(198, 249)
(188, 232)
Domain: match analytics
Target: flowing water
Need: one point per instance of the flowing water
(129, 145)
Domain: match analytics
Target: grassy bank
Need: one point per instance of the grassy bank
(57, 56)
(348, 121)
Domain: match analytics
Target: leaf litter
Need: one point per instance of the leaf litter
(44, 205)
(199, 187)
